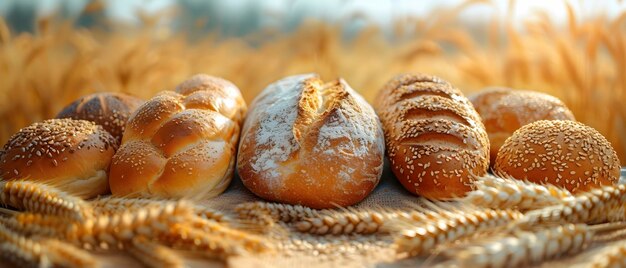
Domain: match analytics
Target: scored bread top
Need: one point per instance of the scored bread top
(436, 141)
(299, 124)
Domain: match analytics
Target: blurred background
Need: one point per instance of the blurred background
(52, 52)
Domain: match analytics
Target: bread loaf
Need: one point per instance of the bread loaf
(311, 143)
(109, 110)
(564, 153)
(73, 155)
(182, 143)
(435, 140)
(503, 111)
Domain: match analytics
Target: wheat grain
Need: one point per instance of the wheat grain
(153, 255)
(424, 236)
(112, 205)
(590, 207)
(524, 247)
(495, 192)
(40, 198)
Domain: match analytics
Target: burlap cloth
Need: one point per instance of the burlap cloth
(327, 251)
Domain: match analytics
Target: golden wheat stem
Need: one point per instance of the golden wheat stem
(66, 255)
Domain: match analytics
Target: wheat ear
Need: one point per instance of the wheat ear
(344, 222)
(113, 205)
(151, 221)
(590, 207)
(522, 248)
(213, 246)
(40, 198)
(36, 224)
(425, 234)
(152, 254)
(495, 192)
(279, 212)
(20, 250)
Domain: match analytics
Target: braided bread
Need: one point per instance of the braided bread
(182, 143)
(436, 141)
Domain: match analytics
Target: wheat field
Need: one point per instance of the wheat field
(582, 62)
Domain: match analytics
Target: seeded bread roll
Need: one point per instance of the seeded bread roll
(503, 111)
(567, 154)
(435, 140)
(73, 155)
(109, 110)
(181, 144)
(311, 143)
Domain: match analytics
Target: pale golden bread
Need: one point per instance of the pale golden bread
(182, 143)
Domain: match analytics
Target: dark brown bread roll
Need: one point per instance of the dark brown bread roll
(436, 141)
(109, 110)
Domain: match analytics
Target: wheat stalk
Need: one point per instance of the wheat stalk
(522, 248)
(590, 207)
(494, 192)
(112, 205)
(152, 254)
(425, 234)
(212, 245)
(40, 198)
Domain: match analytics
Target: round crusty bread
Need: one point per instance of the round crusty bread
(181, 144)
(503, 111)
(436, 142)
(73, 155)
(311, 143)
(109, 110)
(564, 153)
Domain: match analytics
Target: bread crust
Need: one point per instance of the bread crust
(436, 142)
(73, 155)
(564, 153)
(503, 111)
(311, 143)
(181, 143)
(108, 109)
